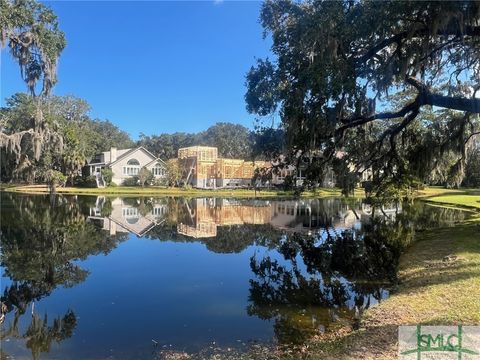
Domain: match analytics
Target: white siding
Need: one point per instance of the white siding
(143, 158)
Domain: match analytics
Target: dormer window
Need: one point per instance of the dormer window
(132, 168)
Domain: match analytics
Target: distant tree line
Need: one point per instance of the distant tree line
(232, 141)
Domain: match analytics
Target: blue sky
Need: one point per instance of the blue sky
(156, 67)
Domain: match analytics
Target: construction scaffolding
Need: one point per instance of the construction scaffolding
(201, 168)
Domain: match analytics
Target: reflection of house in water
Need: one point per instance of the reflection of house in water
(126, 216)
(308, 215)
(200, 218)
(204, 215)
(389, 211)
(296, 215)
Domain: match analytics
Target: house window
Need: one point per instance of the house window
(129, 212)
(130, 215)
(132, 168)
(133, 162)
(157, 211)
(158, 170)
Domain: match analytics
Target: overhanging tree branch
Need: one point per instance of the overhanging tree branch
(471, 105)
(424, 97)
(415, 105)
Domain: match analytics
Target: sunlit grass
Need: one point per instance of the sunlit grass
(440, 191)
(463, 197)
(460, 200)
(189, 192)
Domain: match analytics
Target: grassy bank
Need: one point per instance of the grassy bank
(463, 200)
(163, 191)
(469, 198)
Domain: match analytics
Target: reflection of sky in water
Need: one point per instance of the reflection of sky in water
(164, 286)
(178, 294)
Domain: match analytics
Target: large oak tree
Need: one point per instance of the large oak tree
(31, 32)
(393, 84)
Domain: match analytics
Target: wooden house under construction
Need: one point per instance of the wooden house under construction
(202, 168)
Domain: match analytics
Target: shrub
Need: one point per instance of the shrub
(160, 182)
(85, 181)
(78, 181)
(107, 176)
(288, 183)
(90, 181)
(54, 178)
(145, 176)
(131, 181)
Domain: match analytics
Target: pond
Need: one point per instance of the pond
(126, 278)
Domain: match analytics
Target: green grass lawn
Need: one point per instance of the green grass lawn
(457, 197)
(460, 200)
(439, 191)
(163, 191)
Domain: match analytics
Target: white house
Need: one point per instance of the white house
(125, 163)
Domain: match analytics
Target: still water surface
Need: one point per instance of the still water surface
(121, 278)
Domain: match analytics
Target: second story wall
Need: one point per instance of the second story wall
(130, 165)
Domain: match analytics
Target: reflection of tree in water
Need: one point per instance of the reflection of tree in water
(39, 336)
(40, 242)
(143, 204)
(325, 281)
(427, 216)
(323, 213)
(236, 238)
(229, 239)
(295, 301)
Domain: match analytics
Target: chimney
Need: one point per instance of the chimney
(113, 154)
